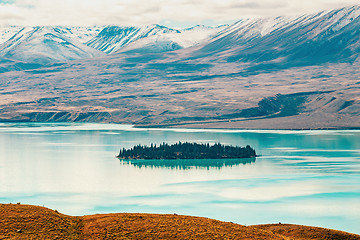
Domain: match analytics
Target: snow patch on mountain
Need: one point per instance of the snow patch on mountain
(45, 45)
(324, 36)
(283, 42)
(7, 32)
(155, 38)
(172, 40)
(113, 38)
(195, 35)
(81, 34)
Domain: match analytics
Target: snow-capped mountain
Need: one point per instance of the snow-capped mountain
(198, 34)
(45, 45)
(172, 40)
(81, 34)
(7, 32)
(152, 38)
(309, 39)
(113, 38)
(284, 72)
(54, 44)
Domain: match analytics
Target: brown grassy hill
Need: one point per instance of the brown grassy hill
(306, 232)
(153, 226)
(33, 222)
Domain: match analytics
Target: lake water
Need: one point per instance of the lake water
(302, 177)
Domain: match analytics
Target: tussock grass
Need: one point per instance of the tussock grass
(19, 221)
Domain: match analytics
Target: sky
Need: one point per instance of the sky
(172, 13)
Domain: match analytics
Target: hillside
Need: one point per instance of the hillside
(32, 222)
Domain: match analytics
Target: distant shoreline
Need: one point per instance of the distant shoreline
(186, 126)
(200, 126)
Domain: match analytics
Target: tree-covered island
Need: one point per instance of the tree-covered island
(186, 150)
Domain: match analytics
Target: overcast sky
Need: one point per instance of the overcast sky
(173, 13)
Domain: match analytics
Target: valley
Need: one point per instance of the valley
(274, 73)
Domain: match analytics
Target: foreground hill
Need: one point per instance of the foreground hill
(32, 222)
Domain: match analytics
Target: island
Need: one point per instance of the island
(186, 150)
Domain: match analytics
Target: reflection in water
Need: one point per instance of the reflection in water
(303, 177)
(188, 163)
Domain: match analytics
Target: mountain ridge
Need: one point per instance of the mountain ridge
(107, 39)
(259, 39)
(45, 45)
(284, 73)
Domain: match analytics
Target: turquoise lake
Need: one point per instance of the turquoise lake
(302, 177)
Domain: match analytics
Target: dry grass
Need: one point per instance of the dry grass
(32, 222)
(150, 226)
(306, 232)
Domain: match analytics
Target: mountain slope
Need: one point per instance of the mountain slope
(110, 39)
(45, 45)
(278, 43)
(113, 38)
(7, 32)
(152, 38)
(286, 42)
(81, 34)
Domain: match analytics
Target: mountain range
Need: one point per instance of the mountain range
(48, 44)
(275, 72)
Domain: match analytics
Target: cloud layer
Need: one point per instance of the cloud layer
(142, 12)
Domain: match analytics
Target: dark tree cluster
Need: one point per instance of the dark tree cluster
(186, 151)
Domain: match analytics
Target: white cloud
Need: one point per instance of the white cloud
(141, 12)
(10, 13)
